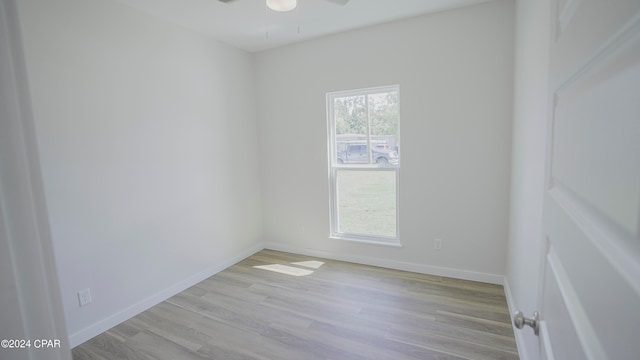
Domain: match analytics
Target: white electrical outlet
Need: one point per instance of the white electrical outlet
(84, 297)
(437, 244)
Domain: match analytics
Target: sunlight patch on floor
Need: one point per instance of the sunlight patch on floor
(310, 264)
(284, 269)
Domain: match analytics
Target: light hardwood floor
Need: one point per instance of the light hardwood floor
(340, 311)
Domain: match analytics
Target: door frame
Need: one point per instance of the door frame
(34, 306)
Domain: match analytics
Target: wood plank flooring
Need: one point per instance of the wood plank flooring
(340, 311)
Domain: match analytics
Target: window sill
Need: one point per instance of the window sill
(392, 243)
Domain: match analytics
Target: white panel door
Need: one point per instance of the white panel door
(591, 283)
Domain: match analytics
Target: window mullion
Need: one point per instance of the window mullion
(366, 114)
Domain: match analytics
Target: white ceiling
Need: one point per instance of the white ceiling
(245, 23)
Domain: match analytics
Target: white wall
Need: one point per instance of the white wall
(528, 169)
(455, 74)
(148, 143)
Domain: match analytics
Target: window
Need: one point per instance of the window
(364, 164)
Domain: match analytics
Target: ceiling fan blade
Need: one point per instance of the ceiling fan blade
(339, 2)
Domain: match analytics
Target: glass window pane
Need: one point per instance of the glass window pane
(350, 115)
(383, 110)
(367, 202)
(350, 118)
(384, 115)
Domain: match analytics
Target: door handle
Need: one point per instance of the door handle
(519, 320)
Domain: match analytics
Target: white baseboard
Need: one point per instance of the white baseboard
(518, 334)
(392, 264)
(101, 326)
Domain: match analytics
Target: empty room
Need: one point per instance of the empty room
(319, 179)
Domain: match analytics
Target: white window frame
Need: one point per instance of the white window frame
(335, 167)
